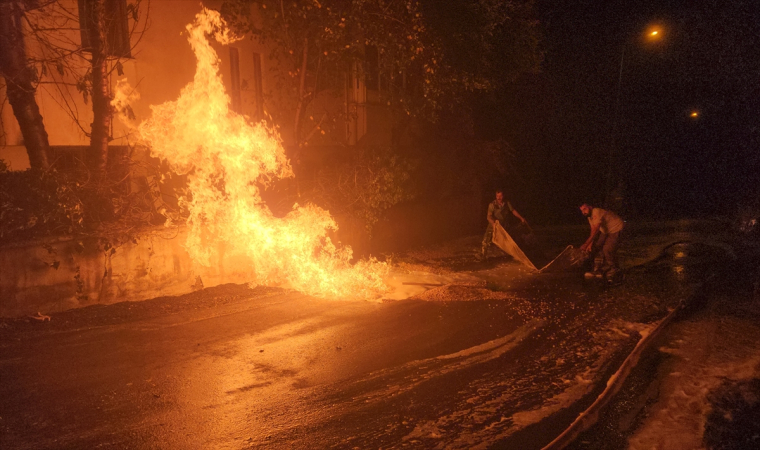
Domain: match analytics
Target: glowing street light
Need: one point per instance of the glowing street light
(652, 34)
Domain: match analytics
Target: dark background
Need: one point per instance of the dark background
(560, 121)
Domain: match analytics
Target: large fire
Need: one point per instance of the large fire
(224, 157)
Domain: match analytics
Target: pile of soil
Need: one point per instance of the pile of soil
(462, 293)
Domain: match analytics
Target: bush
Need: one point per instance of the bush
(34, 206)
(363, 185)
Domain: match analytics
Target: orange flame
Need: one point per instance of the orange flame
(224, 157)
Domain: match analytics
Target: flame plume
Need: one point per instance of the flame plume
(224, 156)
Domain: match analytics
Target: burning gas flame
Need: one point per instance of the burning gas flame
(224, 158)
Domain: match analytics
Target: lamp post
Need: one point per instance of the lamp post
(653, 33)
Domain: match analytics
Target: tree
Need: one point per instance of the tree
(96, 30)
(420, 58)
(316, 45)
(424, 55)
(20, 83)
(73, 47)
(69, 48)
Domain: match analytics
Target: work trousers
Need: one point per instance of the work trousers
(605, 253)
(487, 238)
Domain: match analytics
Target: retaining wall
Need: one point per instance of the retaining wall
(59, 275)
(53, 276)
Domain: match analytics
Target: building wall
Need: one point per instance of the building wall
(162, 64)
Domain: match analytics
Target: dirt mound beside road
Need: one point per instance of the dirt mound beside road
(462, 293)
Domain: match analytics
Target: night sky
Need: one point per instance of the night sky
(561, 120)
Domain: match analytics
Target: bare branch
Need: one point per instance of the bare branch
(316, 128)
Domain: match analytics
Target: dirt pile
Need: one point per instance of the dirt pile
(462, 293)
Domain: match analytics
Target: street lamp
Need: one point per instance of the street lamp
(653, 34)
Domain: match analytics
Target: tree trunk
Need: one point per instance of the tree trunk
(19, 82)
(101, 100)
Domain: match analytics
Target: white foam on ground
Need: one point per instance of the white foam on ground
(405, 285)
(705, 353)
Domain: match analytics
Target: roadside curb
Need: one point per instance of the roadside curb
(588, 418)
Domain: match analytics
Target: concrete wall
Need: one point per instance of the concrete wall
(53, 276)
(59, 275)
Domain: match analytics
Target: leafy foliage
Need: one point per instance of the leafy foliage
(37, 205)
(32, 206)
(427, 53)
(420, 58)
(363, 185)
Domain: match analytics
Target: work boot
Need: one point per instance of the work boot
(593, 274)
(596, 273)
(612, 275)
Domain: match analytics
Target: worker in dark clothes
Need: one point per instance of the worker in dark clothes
(498, 211)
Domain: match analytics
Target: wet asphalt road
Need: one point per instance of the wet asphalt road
(697, 385)
(233, 367)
